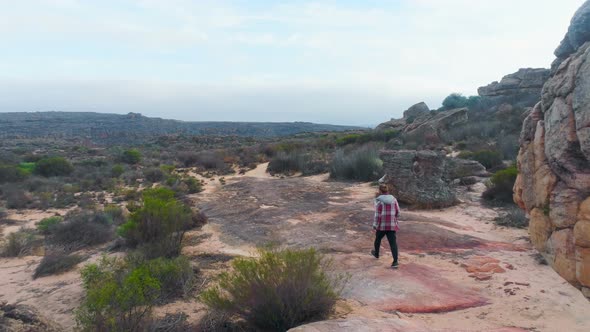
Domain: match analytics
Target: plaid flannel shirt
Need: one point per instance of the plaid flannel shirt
(386, 216)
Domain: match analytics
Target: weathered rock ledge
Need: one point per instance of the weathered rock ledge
(553, 184)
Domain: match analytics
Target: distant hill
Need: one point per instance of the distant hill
(116, 128)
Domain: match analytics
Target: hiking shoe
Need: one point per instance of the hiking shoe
(374, 254)
(394, 265)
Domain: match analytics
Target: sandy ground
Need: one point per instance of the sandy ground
(459, 271)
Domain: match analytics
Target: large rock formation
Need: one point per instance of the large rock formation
(420, 122)
(417, 178)
(553, 184)
(522, 88)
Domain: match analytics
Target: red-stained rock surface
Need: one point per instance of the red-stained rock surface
(382, 325)
(413, 288)
(453, 262)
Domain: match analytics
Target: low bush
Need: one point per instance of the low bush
(276, 291)
(500, 186)
(56, 263)
(362, 164)
(512, 217)
(120, 293)
(131, 156)
(118, 298)
(20, 243)
(153, 174)
(286, 162)
(115, 213)
(81, 229)
(46, 224)
(371, 136)
(117, 170)
(176, 276)
(15, 196)
(160, 223)
(53, 166)
(9, 173)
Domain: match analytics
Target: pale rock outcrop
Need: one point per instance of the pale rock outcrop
(420, 122)
(522, 88)
(417, 178)
(416, 111)
(433, 128)
(553, 184)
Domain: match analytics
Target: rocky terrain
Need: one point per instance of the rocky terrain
(458, 270)
(554, 181)
(133, 127)
(420, 122)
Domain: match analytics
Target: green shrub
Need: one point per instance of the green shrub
(120, 293)
(176, 276)
(21, 243)
(81, 229)
(160, 223)
(131, 156)
(194, 185)
(153, 174)
(297, 161)
(54, 166)
(371, 136)
(286, 163)
(512, 217)
(3, 213)
(56, 263)
(44, 225)
(454, 100)
(500, 186)
(276, 291)
(27, 168)
(118, 298)
(115, 213)
(362, 164)
(117, 170)
(10, 173)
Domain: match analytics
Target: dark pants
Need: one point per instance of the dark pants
(390, 238)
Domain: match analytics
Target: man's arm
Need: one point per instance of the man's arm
(396, 209)
(377, 219)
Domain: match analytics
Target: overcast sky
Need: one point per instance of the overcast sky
(343, 62)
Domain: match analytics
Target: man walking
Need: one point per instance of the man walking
(385, 222)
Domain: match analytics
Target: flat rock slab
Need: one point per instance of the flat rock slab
(380, 325)
(412, 288)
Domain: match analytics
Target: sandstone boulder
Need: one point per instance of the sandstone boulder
(577, 34)
(419, 122)
(583, 266)
(522, 88)
(458, 168)
(553, 184)
(416, 111)
(417, 178)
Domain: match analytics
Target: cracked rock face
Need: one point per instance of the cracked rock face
(553, 184)
(417, 178)
(522, 88)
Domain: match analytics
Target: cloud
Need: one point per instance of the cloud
(326, 60)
